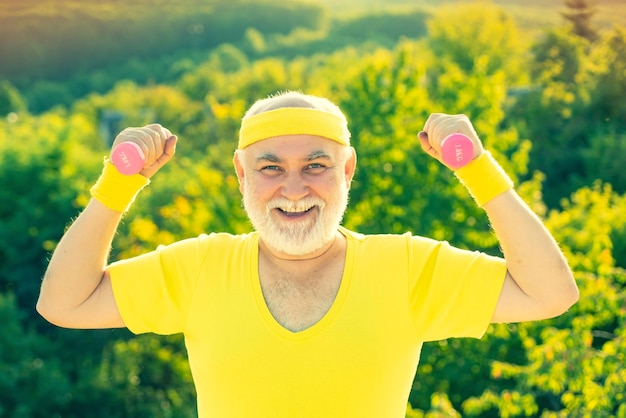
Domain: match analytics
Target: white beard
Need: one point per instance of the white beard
(297, 238)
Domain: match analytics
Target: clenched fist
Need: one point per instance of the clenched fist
(439, 125)
(156, 142)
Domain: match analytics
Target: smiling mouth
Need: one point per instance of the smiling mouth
(294, 214)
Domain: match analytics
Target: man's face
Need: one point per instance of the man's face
(295, 190)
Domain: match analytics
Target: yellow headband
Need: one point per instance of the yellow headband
(293, 121)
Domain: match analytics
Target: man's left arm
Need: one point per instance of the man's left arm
(539, 283)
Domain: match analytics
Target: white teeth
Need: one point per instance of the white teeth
(294, 209)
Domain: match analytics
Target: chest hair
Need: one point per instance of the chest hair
(299, 301)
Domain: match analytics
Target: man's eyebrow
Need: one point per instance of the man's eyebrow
(273, 158)
(317, 154)
(268, 157)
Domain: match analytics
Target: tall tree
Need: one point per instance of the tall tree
(579, 13)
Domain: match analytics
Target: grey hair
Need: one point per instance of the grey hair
(293, 99)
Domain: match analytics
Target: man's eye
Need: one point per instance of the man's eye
(315, 168)
(270, 169)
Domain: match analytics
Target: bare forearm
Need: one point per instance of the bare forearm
(77, 265)
(534, 259)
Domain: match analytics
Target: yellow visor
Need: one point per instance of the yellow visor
(293, 121)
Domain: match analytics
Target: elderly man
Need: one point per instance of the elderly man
(302, 317)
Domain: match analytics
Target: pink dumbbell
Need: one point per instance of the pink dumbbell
(457, 150)
(128, 158)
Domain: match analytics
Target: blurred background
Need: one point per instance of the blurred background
(543, 81)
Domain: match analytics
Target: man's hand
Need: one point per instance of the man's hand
(439, 126)
(157, 143)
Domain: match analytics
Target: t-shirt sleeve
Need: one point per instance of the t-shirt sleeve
(153, 292)
(452, 292)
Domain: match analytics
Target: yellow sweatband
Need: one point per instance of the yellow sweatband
(484, 178)
(293, 121)
(115, 190)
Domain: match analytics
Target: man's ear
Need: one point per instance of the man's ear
(239, 169)
(350, 166)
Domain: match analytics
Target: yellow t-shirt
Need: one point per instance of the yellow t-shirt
(359, 360)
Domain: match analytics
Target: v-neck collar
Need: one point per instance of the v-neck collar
(327, 319)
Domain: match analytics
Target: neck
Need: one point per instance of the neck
(328, 250)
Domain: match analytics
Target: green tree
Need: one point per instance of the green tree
(551, 111)
(572, 111)
(607, 76)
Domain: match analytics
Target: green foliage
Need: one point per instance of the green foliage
(440, 407)
(31, 382)
(575, 371)
(476, 37)
(471, 61)
(592, 245)
(572, 364)
(389, 26)
(608, 75)
(11, 100)
(39, 164)
(147, 376)
(573, 113)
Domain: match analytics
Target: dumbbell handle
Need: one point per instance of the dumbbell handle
(457, 150)
(128, 158)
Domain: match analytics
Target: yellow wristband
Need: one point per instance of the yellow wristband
(484, 178)
(115, 190)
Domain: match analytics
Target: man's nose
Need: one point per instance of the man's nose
(294, 187)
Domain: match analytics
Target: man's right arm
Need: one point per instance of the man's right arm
(76, 291)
